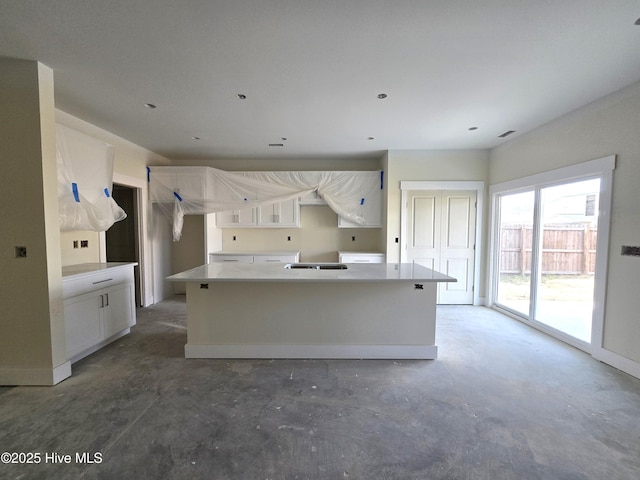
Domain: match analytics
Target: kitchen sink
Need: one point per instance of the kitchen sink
(316, 266)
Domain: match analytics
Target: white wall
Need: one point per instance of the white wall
(32, 335)
(609, 126)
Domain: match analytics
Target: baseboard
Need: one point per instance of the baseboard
(395, 352)
(617, 361)
(35, 376)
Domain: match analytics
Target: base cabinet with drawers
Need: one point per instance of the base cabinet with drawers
(255, 257)
(99, 306)
(361, 257)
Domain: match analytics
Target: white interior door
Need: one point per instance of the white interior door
(441, 235)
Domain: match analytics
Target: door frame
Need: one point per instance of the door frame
(478, 186)
(602, 168)
(145, 260)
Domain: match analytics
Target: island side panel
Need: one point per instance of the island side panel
(311, 320)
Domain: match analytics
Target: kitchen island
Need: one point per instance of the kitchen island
(311, 311)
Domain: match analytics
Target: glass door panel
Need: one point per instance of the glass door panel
(516, 234)
(569, 233)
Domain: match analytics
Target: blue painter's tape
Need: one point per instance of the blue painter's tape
(148, 174)
(381, 179)
(362, 201)
(175, 194)
(106, 193)
(74, 189)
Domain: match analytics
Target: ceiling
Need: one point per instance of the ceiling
(312, 70)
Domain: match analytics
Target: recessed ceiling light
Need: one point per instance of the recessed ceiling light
(241, 96)
(196, 138)
(382, 95)
(637, 22)
(283, 139)
(473, 128)
(150, 105)
(371, 138)
(276, 144)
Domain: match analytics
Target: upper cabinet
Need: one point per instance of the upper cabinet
(187, 181)
(369, 202)
(281, 214)
(277, 215)
(312, 198)
(244, 217)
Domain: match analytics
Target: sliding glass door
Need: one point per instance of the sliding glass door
(516, 232)
(546, 255)
(569, 233)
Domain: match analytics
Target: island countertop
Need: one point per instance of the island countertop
(276, 272)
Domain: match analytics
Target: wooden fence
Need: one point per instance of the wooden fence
(566, 249)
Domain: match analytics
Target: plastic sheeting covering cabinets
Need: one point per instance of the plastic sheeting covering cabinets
(85, 182)
(179, 191)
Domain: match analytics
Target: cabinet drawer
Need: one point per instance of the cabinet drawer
(275, 258)
(214, 257)
(361, 258)
(88, 282)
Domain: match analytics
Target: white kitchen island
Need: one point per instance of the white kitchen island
(269, 311)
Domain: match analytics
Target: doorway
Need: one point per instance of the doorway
(121, 240)
(546, 255)
(549, 251)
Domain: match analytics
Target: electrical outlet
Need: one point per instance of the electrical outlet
(21, 252)
(84, 243)
(234, 238)
(75, 244)
(353, 238)
(288, 238)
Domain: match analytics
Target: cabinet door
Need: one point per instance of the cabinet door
(118, 312)
(244, 217)
(82, 322)
(281, 214)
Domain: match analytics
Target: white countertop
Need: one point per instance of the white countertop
(275, 272)
(84, 268)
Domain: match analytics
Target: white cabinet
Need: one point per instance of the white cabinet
(312, 198)
(255, 257)
(368, 202)
(188, 181)
(244, 217)
(276, 215)
(361, 257)
(281, 214)
(99, 306)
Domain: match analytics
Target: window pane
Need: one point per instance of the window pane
(516, 233)
(567, 261)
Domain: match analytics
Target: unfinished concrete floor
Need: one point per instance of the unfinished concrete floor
(502, 402)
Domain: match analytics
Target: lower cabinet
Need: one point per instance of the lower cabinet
(98, 309)
(361, 257)
(262, 257)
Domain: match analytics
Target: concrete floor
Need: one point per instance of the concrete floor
(503, 401)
